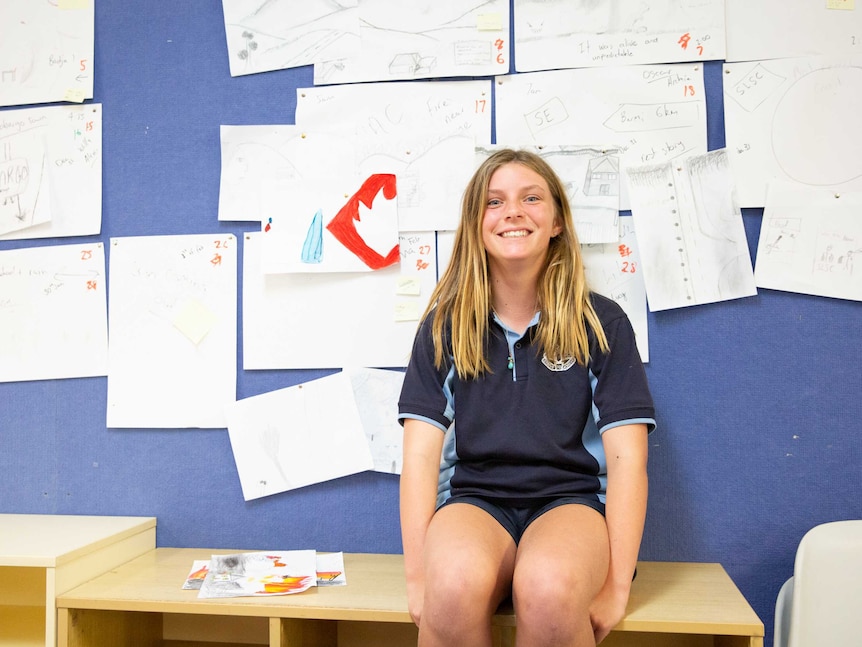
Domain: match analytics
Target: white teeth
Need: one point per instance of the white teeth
(514, 234)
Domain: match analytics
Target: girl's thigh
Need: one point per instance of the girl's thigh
(565, 550)
(468, 553)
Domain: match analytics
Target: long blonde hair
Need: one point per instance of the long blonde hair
(462, 297)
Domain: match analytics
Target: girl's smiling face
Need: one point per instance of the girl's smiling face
(520, 216)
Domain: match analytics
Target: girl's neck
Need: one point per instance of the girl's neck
(515, 305)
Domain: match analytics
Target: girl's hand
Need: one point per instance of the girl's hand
(606, 611)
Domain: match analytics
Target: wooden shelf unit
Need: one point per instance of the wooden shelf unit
(42, 556)
(142, 603)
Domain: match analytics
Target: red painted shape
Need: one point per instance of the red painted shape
(343, 225)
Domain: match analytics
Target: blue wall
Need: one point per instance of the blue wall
(759, 399)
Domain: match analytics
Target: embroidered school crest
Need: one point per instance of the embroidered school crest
(560, 365)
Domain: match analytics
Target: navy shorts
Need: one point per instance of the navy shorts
(516, 515)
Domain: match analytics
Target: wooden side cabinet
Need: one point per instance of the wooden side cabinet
(43, 556)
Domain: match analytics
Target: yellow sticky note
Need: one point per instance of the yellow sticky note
(194, 320)
(75, 96)
(408, 286)
(489, 22)
(75, 4)
(847, 5)
(406, 311)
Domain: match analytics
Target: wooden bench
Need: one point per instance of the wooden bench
(142, 604)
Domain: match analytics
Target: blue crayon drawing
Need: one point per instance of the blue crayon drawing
(312, 249)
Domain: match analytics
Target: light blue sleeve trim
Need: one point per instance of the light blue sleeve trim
(649, 422)
(410, 416)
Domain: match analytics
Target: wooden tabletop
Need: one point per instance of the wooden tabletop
(48, 540)
(668, 597)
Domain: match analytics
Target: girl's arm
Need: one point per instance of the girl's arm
(423, 444)
(625, 512)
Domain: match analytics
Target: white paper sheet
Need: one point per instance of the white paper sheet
(172, 316)
(423, 132)
(615, 270)
(297, 436)
(554, 34)
(690, 232)
(46, 51)
(376, 392)
(591, 177)
(796, 121)
(423, 39)
(53, 312)
(811, 242)
(769, 29)
(51, 172)
(335, 320)
(652, 113)
(334, 224)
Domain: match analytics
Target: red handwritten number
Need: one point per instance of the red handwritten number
(480, 105)
(89, 126)
(83, 64)
(421, 265)
(86, 254)
(700, 50)
(499, 44)
(683, 40)
(689, 91)
(425, 249)
(221, 244)
(92, 285)
(629, 267)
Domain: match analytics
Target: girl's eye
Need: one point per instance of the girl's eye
(532, 198)
(494, 202)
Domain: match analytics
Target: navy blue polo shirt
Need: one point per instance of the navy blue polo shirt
(533, 430)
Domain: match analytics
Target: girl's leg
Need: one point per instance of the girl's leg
(561, 564)
(469, 558)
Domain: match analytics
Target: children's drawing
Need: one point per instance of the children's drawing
(50, 172)
(265, 35)
(554, 34)
(297, 436)
(53, 313)
(360, 233)
(259, 574)
(330, 569)
(650, 113)
(46, 52)
(418, 40)
(689, 228)
(810, 242)
(156, 283)
(794, 121)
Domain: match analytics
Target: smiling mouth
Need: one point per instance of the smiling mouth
(520, 233)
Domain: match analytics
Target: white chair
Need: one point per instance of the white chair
(821, 605)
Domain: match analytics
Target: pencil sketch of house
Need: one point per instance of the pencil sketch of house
(603, 176)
